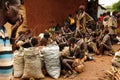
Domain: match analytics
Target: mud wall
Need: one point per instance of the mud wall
(41, 14)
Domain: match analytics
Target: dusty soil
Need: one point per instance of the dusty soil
(94, 70)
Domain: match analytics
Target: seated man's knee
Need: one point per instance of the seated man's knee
(64, 61)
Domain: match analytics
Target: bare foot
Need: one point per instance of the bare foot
(66, 75)
(73, 75)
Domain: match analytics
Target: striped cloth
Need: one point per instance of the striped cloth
(6, 56)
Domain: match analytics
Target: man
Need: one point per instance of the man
(83, 19)
(9, 12)
(105, 46)
(67, 61)
(82, 45)
(91, 43)
(111, 22)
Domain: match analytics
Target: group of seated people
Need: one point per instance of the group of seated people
(72, 45)
(76, 45)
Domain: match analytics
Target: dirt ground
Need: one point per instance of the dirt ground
(94, 70)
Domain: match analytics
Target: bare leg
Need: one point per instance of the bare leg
(66, 63)
(101, 49)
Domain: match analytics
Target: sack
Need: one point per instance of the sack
(115, 63)
(52, 61)
(78, 65)
(32, 67)
(18, 63)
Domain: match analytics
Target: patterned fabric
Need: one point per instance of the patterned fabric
(6, 56)
(111, 23)
(83, 19)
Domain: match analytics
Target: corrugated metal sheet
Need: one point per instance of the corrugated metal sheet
(43, 13)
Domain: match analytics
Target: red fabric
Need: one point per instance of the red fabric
(101, 18)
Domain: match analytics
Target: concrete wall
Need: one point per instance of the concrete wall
(43, 13)
(100, 11)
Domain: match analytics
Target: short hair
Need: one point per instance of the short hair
(82, 7)
(106, 31)
(34, 41)
(70, 15)
(3, 1)
(114, 13)
(108, 13)
(21, 32)
(46, 35)
(43, 42)
(31, 43)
